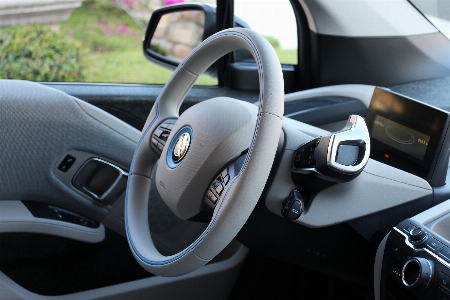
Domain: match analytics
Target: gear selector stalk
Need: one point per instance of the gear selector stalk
(339, 157)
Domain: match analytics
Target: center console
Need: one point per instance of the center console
(415, 257)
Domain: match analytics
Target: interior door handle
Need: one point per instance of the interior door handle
(101, 180)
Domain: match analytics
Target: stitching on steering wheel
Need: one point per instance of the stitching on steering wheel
(244, 166)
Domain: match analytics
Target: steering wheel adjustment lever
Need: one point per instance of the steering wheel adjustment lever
(338, 157)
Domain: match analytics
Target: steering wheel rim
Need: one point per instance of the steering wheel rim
(237, 202)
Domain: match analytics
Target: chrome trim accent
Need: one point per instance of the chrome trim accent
(181, 147)
(422, 249)
(403, 272)
(112, 165)
(304, 170)
(170, 157)
(422, 240)
(91, 193)
(420, 272)
(107, 192)
(431, 273)
(354, 130)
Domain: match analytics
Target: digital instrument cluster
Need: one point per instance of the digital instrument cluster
(409, 135)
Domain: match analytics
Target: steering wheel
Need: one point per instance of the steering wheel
(203, 141)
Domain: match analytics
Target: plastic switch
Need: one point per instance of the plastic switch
(293, 206)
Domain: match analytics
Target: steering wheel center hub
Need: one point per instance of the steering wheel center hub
(206, 138)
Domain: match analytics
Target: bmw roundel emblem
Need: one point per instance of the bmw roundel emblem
(179, 147)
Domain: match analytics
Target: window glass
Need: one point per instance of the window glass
(275, 20)
(101, 41)
(437, 12)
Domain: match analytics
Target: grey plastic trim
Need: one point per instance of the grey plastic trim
(365, 18)
(310, 130)
(109, 120)
(433, 213)
(377, 188)
(15, 217)
(437, 219)
(361, 92)
(213, 281)
(335, 126)
(38, 125)
(295, 134)
(378, 266)
(441, 227)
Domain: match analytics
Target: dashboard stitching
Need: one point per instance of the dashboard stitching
(396, 180)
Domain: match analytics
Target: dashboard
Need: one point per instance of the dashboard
(388, 191)
(339, 226)
(409, 144)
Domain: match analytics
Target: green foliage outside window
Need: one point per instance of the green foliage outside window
(39, 53)
(273, 41)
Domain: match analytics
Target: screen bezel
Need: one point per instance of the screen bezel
(415, 115)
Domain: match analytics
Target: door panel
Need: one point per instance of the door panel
(132, 103)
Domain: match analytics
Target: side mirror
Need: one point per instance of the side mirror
(174, 31)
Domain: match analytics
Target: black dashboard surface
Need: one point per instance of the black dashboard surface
(432, 91)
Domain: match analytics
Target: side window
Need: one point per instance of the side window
(101, 41)
(276, 21)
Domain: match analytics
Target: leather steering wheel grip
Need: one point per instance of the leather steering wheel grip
(239, 199)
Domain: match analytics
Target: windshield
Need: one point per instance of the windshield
(437, 12)
(101, 40)
(98, 41)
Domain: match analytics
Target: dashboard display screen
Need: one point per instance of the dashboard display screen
(405, 133)
(405, 139)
